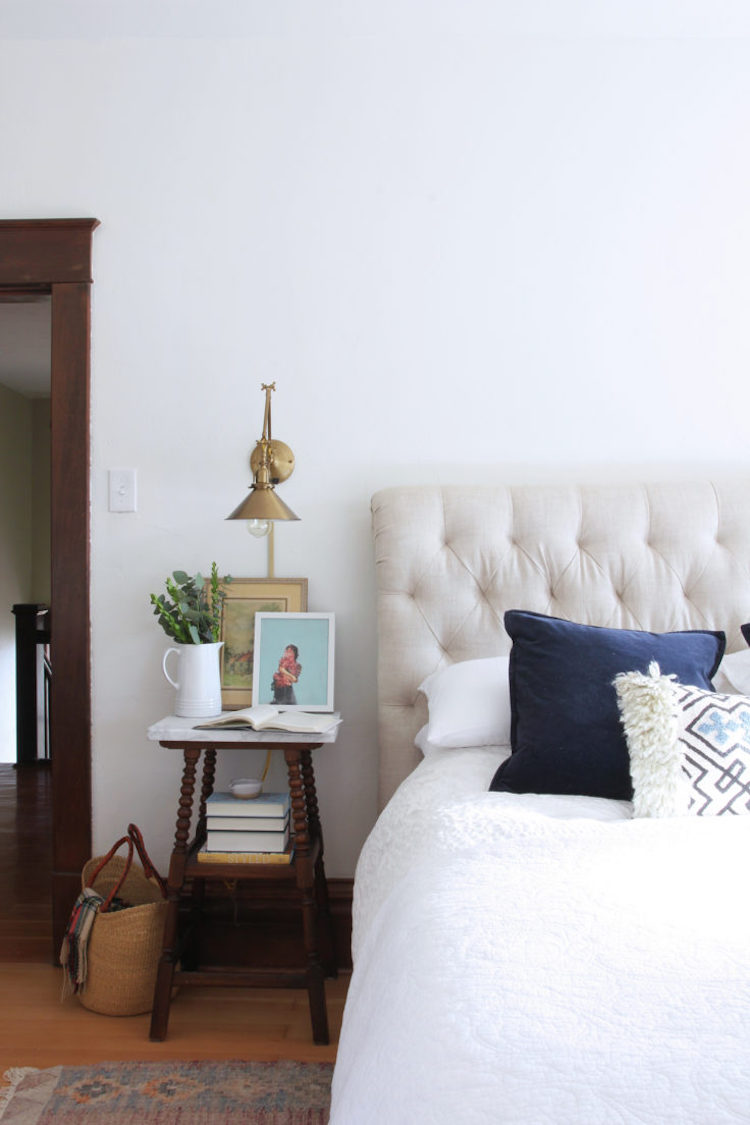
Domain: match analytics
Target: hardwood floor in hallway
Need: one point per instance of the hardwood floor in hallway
(39, 1028)
(25, 864)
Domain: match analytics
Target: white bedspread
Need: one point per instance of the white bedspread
(544, 960)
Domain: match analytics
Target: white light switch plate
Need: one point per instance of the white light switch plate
(122, 490)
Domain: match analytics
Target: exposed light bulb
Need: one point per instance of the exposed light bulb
(258, 528)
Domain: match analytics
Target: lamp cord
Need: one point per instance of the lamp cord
(268, 763)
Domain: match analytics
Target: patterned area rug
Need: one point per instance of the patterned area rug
(178, 1093)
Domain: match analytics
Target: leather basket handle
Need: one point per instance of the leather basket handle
(128, 864)
(134, 841)
(149, 870)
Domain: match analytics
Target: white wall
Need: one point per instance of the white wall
(518, 251)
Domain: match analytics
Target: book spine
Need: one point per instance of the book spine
(247, 841)
(277, 811)
(245, 857)
(246, 823)
(251, 809)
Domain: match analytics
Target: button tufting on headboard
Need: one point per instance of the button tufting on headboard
(450, 561)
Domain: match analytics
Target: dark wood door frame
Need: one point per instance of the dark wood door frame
(54, 256)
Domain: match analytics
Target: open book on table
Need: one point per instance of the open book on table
(265, 717)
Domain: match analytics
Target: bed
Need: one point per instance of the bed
(548, 956)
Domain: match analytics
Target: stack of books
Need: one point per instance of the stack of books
(254, 831)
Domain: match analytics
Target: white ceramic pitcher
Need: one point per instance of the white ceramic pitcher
(198, 680)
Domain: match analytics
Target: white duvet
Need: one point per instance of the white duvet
(544, 960)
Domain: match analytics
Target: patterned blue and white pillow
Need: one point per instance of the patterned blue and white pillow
(689, 748)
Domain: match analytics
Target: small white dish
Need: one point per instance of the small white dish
(246, 788)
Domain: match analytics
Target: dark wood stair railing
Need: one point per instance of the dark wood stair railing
(32, 630)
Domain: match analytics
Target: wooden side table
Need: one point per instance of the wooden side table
(306, 869)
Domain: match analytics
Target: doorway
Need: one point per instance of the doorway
(25, 332)
(54, 256)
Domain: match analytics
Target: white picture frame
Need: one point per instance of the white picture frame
(293, 667)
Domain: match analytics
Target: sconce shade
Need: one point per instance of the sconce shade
(262, 503)
(271, 462)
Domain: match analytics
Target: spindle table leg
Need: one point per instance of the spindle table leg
(165, 972)
(306, 829)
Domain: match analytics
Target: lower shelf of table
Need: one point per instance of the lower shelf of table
(203, 869)
(213, 976)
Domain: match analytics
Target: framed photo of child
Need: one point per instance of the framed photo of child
(294, 661)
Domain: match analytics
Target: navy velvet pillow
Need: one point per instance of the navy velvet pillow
(746, 633)
(565, 725)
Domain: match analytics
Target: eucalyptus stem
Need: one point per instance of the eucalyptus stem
(193, 616)
(218, 595)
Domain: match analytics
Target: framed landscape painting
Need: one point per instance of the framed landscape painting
(293, 667)
(244, 598)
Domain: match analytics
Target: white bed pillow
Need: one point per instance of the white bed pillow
(733, 674)
(689, 748)
(468, 705)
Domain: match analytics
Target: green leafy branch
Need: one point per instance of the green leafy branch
(190, 611)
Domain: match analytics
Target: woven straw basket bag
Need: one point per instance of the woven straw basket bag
(125, 944)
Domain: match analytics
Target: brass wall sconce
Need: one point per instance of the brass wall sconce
(271, 463)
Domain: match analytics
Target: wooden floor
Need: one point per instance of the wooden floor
(25, 864)
(38, 1028)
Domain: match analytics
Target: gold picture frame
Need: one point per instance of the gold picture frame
(244, 598)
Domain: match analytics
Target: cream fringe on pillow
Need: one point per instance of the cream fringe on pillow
(648, 713)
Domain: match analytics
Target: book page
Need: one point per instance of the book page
(265, 717)
(244, 717)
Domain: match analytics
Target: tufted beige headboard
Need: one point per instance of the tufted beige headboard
(450, 561)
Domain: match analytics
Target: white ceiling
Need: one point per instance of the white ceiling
(25, 340)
